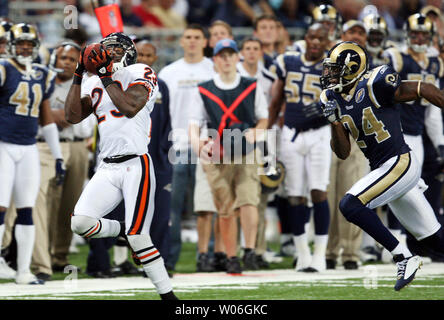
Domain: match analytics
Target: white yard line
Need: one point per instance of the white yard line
(205, 280)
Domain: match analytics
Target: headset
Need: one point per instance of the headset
(53, 58)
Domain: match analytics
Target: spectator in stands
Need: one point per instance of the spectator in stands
(234, 182)
(201, 11)
(129, 18)
(265, 29)
(292, 13)
(218, 30)
(283, 41)
(169, 18)
(143, 11)
(251, 50)
(241, 13)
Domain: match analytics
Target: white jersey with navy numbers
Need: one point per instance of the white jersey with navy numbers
(120, 135)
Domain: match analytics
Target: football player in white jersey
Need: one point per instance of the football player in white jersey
(121, 96)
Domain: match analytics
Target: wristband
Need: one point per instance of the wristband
(418, 89)
(106, 81)
(77, 79)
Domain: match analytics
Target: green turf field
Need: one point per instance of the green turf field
(280, 282)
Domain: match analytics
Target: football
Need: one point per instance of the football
(89, 65)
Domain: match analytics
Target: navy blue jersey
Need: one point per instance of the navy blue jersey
(20, 98)
(302, 88)
(413, 112)
(368, 113)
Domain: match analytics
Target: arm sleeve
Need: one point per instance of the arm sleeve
(51, 135)
(382, 85)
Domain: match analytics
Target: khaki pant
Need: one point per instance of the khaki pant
(343, 234)
(233, 186)
(62, 200)
(261, 242)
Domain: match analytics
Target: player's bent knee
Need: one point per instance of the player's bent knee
(81, 224)
(349, 206)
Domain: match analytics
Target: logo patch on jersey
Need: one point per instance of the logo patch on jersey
(434, 68)
(304, 69)
(349, 107)
(37, 75)
(360, 95)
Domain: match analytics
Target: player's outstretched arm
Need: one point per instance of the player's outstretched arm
(412, 90)
(277, 99)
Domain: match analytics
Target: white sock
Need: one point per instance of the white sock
(367, 240)
(25, 237)
(401, 249)
(301, 243)
(158, 274)
(320, 244)
(120, 254)
(152, 262)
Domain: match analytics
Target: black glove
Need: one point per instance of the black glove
(60, 171)
(330, 111)
(104, 65)
(78, 74)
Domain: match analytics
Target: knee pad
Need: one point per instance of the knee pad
(349, 206)
(82, 224)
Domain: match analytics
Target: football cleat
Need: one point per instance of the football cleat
(407, 268)
(27, 278)
(6, 272)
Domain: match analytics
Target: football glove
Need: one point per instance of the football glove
(330, 111)
(60, 171)
(104, 65)
(78, 74)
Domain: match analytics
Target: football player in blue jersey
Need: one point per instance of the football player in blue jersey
(361, 103)
(329, 17)
(5, 26)
(413, 65)
(305, 149)
(25, 89)
(377, 33)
